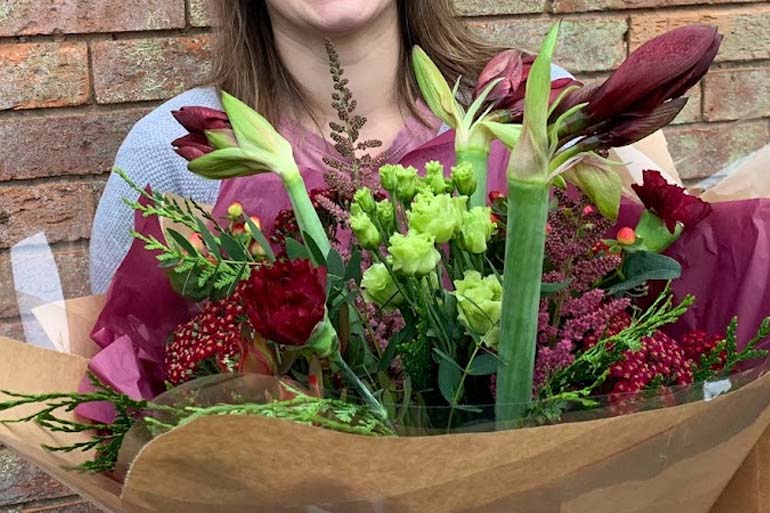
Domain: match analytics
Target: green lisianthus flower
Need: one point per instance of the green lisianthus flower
(477, 229)
(479, 303)
(435, 215)
(413, 254)
(364, 230)
(379, 288)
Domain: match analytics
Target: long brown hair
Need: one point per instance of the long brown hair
(247, 64)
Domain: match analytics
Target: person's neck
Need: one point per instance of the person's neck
(370, 58)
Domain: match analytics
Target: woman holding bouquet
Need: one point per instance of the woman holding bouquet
(271, 54)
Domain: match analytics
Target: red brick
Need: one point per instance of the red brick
(198, 13)
(149, 69)
(561, 6)
(22, 482)
(702, 150)
(10, 328)
(72, 264)
(489, 7)
(63, 211)
(737, 94)
(746, 28)
(72, 144)
(31, 17)
(41, 75)
(587, 44)
(68, 505)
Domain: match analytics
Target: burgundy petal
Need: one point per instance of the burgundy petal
(198, 119)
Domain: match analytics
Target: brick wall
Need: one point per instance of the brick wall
(76, 74)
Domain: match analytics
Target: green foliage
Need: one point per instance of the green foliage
(640, 267)
(105, 440)
(710, 368)
(331, 414)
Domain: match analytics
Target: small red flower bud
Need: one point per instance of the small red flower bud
(238, 229)
(494, 218)
(589, 210)
(196, 241)
(626, 236)
(496, 196)
(256, 221)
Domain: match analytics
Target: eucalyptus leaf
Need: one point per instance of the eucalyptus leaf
(233, 248)
(181, 241)
(258, 236)
(643, 266)
(296, 250)
(483, 365)
(449, 377)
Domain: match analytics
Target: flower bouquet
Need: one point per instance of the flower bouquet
(493, 324)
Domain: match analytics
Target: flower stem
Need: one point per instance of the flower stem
(307, 217)
(376, 406)
(525, 243)
(478, 158)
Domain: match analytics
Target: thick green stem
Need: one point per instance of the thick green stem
(478, 158)
(525, 242)
(307, 217)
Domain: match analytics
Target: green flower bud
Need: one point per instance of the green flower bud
(434, 177)
(367, 235)
(386, 215)
(435, 216)
(406, 183)
(476, 229)
(388, 177)
(464, 178)
(479, 304)
(379, 288)
(365, 199)
(413, 254)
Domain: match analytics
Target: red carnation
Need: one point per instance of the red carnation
(670, 202)
(286, 301)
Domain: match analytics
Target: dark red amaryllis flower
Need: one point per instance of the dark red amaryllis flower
(662, 69)
(513, 68)
(670, 202)
(286, 301)
(198, 120)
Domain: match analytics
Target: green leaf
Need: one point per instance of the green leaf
(552, 288)
(483, 365)
(316, 255)
(296, 250)
(643, 266)
(233, 248)
(208, 238)
(602, 185)
(435, 90)
(506, 133)
(353, 270)
(449, 377)
(539, 89)
(181, 241)
(256, 233)
(335, 265)
(225, 163)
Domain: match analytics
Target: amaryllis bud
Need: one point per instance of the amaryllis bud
(670, 202)
(662, 69)
(235, 210)
(192, 146)
(628, 130)
(558, 86)
(507, 66)
(286, 301)
(200, 119)
(626, 236)
(434, 88)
